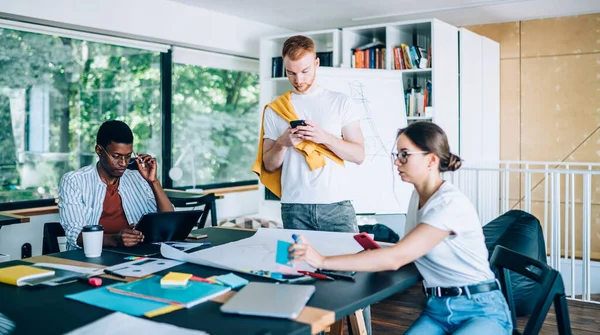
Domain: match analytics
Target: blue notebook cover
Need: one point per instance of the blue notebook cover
(281, 256)
(103, 298)
(190, 295)
(232, 280)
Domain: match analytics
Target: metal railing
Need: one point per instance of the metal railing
(543, 189)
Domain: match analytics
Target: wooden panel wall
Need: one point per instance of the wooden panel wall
(550, 99)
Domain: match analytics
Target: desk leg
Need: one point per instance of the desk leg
(357, 323)
(337, 328)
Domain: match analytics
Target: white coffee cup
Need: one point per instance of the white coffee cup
(93, 237)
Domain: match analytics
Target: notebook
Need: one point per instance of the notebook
(18, 275)
(103, 298)
(189, 295)
(271, 300)
(232, 280)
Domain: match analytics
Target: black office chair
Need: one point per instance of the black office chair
(52, 231)
(552, 289)
(185, 199)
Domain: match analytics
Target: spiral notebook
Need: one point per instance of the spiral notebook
(189, 295)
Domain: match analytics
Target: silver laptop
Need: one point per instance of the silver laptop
(271, 300)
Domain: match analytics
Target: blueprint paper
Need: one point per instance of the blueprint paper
(258, 251)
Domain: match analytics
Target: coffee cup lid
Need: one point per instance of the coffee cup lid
(96, 227)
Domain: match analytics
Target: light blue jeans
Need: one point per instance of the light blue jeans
(482, 313)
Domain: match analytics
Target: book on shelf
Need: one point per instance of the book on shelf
(417, 99)
(369, 56)
(429, 57)
(411, 57)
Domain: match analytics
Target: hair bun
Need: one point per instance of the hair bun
(454, 162)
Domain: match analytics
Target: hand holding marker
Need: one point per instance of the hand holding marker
(308, 273)
(296, 241)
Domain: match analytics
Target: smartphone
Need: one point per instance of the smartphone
(196, 235)
(366, 241)
(296, 123)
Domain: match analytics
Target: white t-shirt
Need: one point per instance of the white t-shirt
(299, 185)
(460, 259)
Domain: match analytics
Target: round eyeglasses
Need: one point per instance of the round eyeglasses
(129, 159)
(402, 156)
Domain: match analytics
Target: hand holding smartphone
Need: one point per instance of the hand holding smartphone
(296, 123)
(366, 241)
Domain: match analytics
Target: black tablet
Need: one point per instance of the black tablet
(168, 226)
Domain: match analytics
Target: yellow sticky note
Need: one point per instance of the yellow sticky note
(175, 279)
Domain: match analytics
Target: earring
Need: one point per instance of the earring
(430, 168)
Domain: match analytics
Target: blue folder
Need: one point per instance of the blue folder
(103, 298)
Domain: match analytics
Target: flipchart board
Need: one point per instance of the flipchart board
(374, 186)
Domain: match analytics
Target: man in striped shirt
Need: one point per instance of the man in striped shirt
(110, 194)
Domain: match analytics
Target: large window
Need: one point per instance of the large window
(54, 93)
(215, 119)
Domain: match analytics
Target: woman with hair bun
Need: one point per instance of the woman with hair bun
(443, 238)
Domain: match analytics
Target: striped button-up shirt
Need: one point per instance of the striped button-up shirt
(81, 199)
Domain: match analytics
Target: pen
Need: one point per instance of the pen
(316, 275)
(108, 272)
(200, 279)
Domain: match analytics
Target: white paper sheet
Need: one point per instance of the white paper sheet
(258, 251)
(120, 323)
(143, 267)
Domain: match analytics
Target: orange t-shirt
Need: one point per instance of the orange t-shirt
(113, 218)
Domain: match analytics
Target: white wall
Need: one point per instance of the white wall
(12, 237)
(237, 204)
(163, 20)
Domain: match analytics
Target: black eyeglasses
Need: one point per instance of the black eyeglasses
(129, 159)
(403, 155)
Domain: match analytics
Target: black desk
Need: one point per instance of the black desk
(45, 310)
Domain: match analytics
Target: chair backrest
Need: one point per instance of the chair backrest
(52, 231)
(550, 281)
(521, 232)
(187, 200)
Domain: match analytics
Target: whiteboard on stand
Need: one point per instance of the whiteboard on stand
(378, 97)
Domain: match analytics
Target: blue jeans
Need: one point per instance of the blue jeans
(337, 217)
(481, 313)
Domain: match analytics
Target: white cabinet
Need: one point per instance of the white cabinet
(479, 120)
